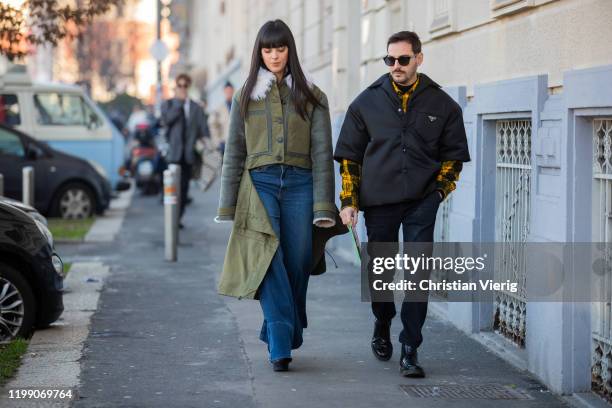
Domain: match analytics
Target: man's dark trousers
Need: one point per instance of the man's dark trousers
(417, 219)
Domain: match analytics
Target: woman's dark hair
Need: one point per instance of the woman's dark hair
(408, 36)
(274, 34)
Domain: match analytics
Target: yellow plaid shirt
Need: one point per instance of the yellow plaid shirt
(351, 171)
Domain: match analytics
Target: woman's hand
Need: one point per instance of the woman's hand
(349, 215)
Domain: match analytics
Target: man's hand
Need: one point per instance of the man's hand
(349, 215)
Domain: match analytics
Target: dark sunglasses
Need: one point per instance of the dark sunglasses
(182, 85)
(402, 59)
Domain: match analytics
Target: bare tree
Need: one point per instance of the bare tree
(45, 22)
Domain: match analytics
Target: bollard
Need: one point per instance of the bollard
(176, 170)
(171, 210)
(28, 185)
(1, 185)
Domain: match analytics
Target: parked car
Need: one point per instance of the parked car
(65, 117)
(31, 211)
(31, 274)
(65, 186)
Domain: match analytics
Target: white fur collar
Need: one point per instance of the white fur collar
(265, 79)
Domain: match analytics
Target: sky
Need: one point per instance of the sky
(146, 10)
(13, 3)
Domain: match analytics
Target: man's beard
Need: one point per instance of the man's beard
(402, 77)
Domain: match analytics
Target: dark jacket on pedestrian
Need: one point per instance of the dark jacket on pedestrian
(181, 132)
(401, 152)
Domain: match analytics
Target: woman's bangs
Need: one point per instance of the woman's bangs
(274, 37)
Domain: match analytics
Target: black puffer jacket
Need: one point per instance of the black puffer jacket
(401, 153)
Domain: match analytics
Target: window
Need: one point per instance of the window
(500, 8)
(9, 110)
(60, 109)
(441, 18)
(10, 144)
(91, 117)
(34, 150)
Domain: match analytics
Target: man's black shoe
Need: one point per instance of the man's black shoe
(189, 200)
(281, 364)
(409, 363)
(381, 341)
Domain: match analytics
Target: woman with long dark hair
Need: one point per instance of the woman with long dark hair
(276, 183)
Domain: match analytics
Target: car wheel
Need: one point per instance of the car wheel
(17, 305)
(75, 200)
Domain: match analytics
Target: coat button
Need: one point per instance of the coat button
(279, 140)
(404, 150)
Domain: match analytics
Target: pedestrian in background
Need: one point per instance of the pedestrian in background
(276, 182)
(185, 124)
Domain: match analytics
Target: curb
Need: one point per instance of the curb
(52, 359)
(106, 228)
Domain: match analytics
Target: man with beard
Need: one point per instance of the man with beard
(401, 149)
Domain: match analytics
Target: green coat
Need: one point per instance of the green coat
(273, 133)
(251, 245)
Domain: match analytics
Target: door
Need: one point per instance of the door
(12, 159)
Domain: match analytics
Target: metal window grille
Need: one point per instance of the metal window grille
(512, 216)
(601, 319)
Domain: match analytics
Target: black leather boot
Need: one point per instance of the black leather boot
(409, 363)
(281, 364)
(381, 341)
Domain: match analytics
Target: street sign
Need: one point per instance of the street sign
(159, 50)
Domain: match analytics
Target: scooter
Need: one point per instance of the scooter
(144, 161)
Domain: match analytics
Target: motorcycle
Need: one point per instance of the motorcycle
(145, 160)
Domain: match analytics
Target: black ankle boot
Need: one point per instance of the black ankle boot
(381, 341)
(281, 364)
(409, 363)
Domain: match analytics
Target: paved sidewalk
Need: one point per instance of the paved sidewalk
(162, 337)
(52, 359)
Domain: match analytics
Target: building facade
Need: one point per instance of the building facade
(534, 79)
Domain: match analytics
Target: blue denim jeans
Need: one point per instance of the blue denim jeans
(286, 193)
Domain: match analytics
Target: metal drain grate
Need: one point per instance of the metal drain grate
(474, 391)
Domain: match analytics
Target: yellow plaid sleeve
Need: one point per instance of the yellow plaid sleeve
(351, 177)
(448, 175)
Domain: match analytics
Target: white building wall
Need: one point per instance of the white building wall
(550, 39)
